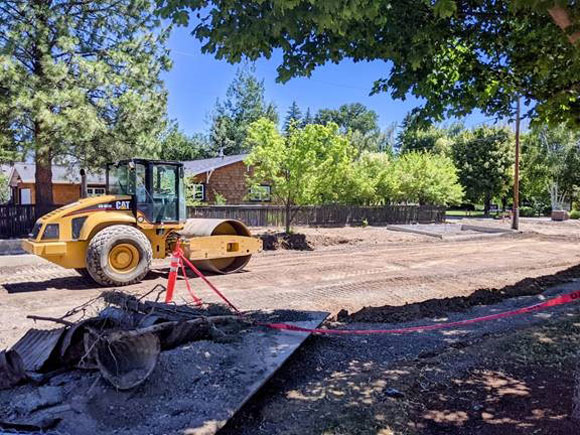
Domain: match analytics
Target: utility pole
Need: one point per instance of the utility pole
(516, 208)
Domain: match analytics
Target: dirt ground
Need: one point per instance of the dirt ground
(333, 385)
(349, 268)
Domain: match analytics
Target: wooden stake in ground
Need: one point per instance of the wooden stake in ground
(516, 208)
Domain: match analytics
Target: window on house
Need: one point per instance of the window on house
(25, 196)
(198, 191)
(262, 193)
(95, 191)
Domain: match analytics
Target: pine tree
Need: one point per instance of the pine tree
(244, 104)
(293, 116)
(81, 81)
(308, 118)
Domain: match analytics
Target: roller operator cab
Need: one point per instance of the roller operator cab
(114, 238)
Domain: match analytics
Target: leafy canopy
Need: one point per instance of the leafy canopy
(176, 145)
(305, 167)
(425, 178)
(484, 159)
(551, 156)
(456, 55)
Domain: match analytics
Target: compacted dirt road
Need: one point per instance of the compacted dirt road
(349, 268)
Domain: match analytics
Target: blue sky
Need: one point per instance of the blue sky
(197, 79)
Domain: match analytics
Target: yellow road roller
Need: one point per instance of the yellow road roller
(113, 238)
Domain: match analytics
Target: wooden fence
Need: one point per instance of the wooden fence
(18, 220)
(326, 215)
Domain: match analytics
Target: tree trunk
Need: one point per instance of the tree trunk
(288, 217)
(43, 174)
(487, 204)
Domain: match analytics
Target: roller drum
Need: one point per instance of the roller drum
(217, 227)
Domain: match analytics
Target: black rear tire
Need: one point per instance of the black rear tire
(98, 261)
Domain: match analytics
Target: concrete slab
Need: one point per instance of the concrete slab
(194, 389)
(449, 231)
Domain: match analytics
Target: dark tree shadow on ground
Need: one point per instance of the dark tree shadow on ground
(68, 283)
(519, 382)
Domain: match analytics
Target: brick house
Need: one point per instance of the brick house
(66, 187)
(225, 176)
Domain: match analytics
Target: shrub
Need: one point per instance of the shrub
(575, 214)
(526, 211)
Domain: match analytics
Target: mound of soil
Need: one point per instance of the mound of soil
(439, 307)
(293, 241)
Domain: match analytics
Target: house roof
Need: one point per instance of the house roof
(60, 174)
(195, 167)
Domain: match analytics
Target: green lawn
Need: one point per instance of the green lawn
(477, 213)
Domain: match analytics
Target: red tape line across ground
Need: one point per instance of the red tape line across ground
(559, 300)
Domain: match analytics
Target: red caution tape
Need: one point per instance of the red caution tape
(178, 253)
(559, 300)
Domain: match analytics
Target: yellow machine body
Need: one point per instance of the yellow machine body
(62, 236)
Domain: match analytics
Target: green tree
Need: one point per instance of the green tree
(551, 156)
(81, 81)
(308, 118)
(388, 139)
(350, 117)
(306, 166)
(356, 119)
(176, 145)
(425, 178)
(371, 181)
(414, 136)
(484, 159)
(294, 115)
(244, 104)
(456, 56)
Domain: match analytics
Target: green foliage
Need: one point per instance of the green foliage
(357, 120)
(176, 145)
(293, 116)
(318, 165)
(414, 177)
(526, 211)
(308, 118)
(371, 180)
(219, 199)
(453, 56)
(425, 178)
(81, 81)
(244, 104)
(550, 155)
(5, 191)
(414, 136)
(306, 166)
(575, 214)
(484, 159)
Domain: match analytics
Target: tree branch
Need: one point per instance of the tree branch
(562, 19)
